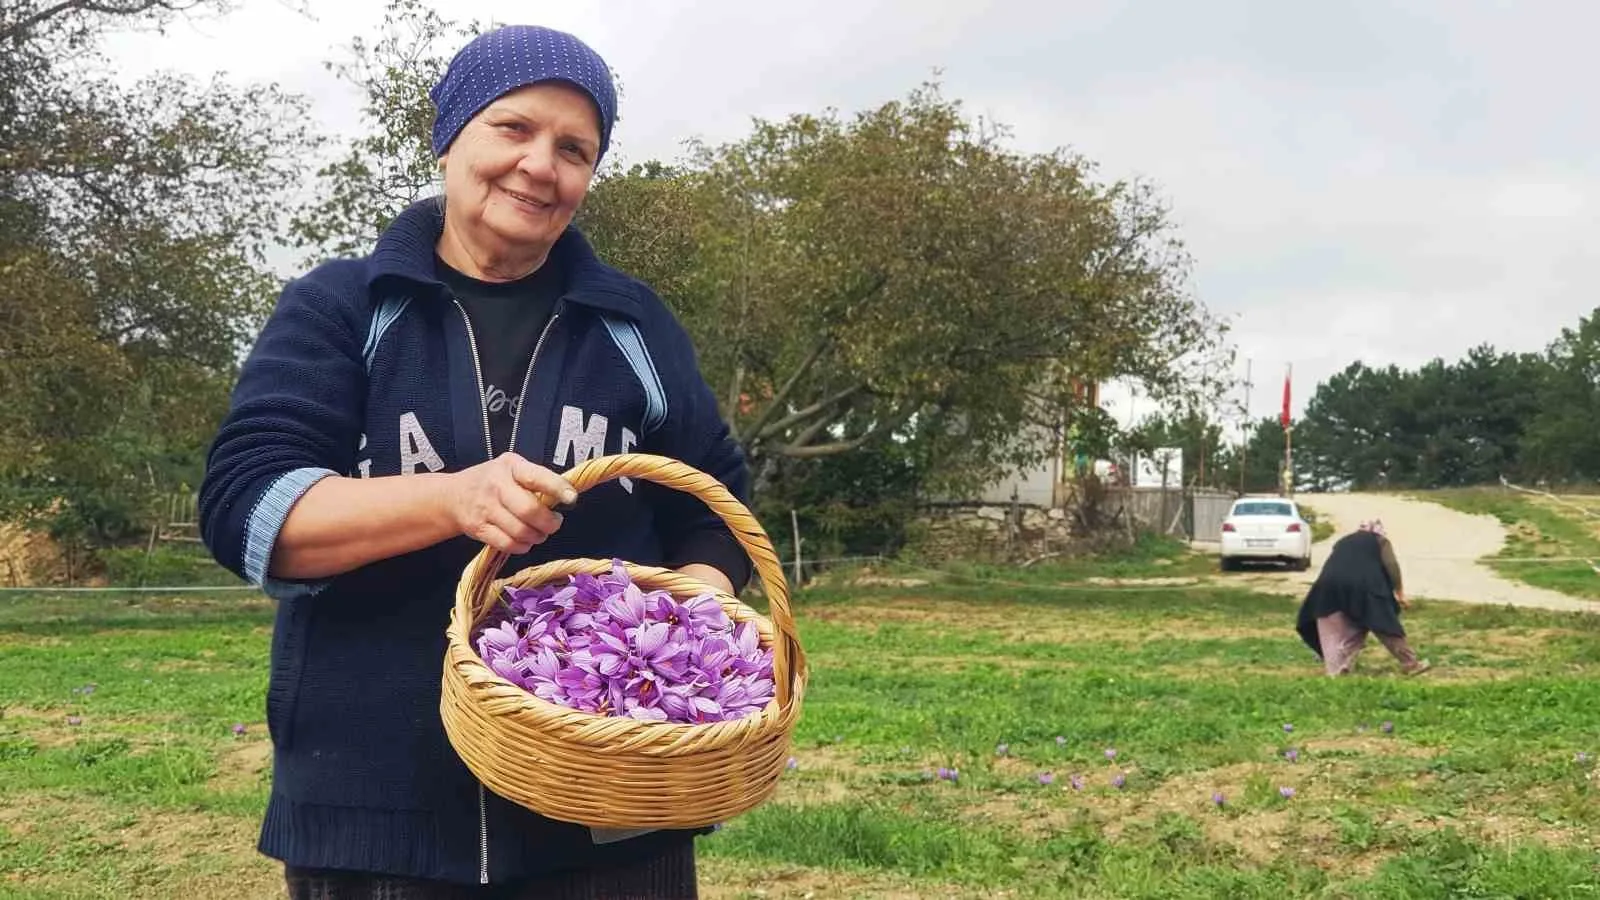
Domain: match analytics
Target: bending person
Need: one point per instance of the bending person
(1358, 591)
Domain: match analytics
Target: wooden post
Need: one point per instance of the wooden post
(794, 521)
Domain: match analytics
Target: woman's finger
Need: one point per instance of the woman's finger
(533, 477)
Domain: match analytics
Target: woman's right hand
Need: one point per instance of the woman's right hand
(494, 503)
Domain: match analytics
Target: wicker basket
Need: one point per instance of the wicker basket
(614, 772)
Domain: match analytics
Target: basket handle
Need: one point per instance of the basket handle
(485, 567)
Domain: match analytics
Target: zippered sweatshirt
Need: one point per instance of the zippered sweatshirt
(366, 368)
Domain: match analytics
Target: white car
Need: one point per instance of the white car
(1266, 529)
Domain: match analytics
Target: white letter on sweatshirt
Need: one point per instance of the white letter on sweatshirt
(578, 441)
(415, 448)
(628, 442)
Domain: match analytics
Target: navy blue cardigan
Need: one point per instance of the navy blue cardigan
(366, 368)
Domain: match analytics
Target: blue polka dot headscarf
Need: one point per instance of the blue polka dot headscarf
(503, 60)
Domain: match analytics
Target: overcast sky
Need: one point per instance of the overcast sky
(1384, 181)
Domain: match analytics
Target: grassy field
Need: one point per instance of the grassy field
(122, 776)
(1536, 528)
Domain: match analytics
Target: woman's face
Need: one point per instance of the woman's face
(519, 170)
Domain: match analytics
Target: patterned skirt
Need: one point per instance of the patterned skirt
(670, 876)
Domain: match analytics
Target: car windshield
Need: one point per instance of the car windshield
(1263, 509)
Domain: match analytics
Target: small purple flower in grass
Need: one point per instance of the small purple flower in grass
(74, 720)
(793, 763)
(1111, 753)
(1286, 792)
(949, 774)
(1060, 741)
(1388, 728)
(1001, 749)
(1287, 728)
(1076, 781)
(1581, 758)
(1292, 755)
(238, 729)
(1119, 780)
(1047, 778)
(1218, 799)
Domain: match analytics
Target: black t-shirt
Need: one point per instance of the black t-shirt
(507, 318)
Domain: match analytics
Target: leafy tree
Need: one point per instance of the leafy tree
(133, 224)
(1563, 439)
(894, 275)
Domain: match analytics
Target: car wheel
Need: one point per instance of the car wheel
(1229, 564)
(1302, 564)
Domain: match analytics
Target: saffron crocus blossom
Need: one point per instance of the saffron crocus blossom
(1047, 778)
(1001, 749)
(602, 644)
(1286, 792)
(1292, 755)
(1218, 798)
(1118, 781)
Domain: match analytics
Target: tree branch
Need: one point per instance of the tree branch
(821, 406)
(813, 451)
(39, 17)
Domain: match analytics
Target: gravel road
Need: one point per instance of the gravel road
(1438, 549)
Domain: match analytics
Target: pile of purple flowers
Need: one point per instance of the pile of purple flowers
(602, 645)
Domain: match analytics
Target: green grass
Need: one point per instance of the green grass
(1150, 556)
(1535, 528)
(1476, 792)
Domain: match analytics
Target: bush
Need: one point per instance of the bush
(165, 566)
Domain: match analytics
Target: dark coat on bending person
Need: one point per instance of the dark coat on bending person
(1358, 581)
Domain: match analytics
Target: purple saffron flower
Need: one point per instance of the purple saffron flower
(1218, 799)
(1581, 758)
(1292, 755)
(1047, 778)
(626, 609)
(792, 764)
(1286, 792)
(1111, 753)
(238, 729)
(602, 644)
(1119, 780)
(1076, 781)
(949, 774)
(1287, 728)
(1388, 728)
(74, 720)
(1001, 749)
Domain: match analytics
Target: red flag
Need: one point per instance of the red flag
(1283, 418)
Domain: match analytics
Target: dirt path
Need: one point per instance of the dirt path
(1438, 549)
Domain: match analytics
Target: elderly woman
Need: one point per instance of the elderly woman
(1358, 591)
(403, 409)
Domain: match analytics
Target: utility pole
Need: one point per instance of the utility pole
(1244, 443)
